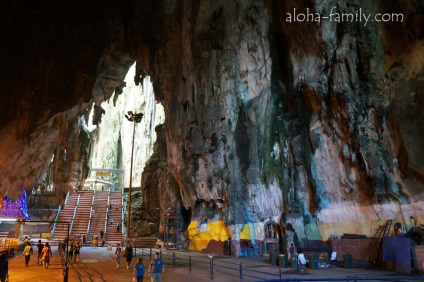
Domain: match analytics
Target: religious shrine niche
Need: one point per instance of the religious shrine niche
(272, 237)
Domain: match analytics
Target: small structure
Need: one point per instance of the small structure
(17, 209)
(272, 238)
(171, 230)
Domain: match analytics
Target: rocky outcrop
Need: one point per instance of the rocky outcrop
(316, 125)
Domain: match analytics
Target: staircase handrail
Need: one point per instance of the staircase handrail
(55, 219)
(91, 213)
(122, 208)
(73, 220)
(75, 214)
(89, 220)
(67, 197)
(92, 200)
(107, 210)
(78, 201)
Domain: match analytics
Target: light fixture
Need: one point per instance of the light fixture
(135, 118)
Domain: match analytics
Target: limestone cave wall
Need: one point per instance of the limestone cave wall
(315, 125)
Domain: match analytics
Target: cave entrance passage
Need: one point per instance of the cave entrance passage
(114, 137)
(96, 180)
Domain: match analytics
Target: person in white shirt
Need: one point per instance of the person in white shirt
(302, 260)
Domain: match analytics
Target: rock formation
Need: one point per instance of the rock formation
(313, 124)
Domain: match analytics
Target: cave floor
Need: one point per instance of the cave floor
(97, 265)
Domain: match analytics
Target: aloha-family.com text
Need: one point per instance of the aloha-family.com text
(334, 16)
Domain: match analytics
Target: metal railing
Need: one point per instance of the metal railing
(55, 219)
(73, 219)
(348, 278)
(37, 206)
(214, 267)
(9, 246)
(67, 197)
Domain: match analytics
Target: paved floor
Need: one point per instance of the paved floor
(96, 265)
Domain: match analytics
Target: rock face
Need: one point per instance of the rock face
(313, 124)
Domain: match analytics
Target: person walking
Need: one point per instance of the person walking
(156, 268)
(40, 247)
(101, 234)
(27, 253)
(128, 254)
(118, 254)
(46, 254)
(139, 271)
(4, 268)
(117, 227)
(77, 252)
(71, 250)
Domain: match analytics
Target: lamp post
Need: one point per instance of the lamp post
(135, 118)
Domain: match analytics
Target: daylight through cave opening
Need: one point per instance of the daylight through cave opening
(111, 146)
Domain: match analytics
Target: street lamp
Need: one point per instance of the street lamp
(135, 118)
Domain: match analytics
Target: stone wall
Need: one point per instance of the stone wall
(419, 253)
(358, 248)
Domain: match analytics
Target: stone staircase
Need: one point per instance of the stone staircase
(83, 214)
(87, 222)
(115, 216)
(65, 215)
(98, 216)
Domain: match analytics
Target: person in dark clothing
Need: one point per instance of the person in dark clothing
(117, 227)
(77, 252)
(39, 249)
(128, 255)
(101, 234)
(4, 268)
(71, 246)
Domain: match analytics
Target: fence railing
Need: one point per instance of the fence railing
(376, 278)
(55, 220)
(63, 253)
(215, 266)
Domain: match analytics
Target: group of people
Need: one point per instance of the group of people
(44, 253)
(302, 261)
(156, 266)
(74, 251)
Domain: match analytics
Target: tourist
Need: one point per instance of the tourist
(139, 270)
(4, 268)
(40, 247)
(156, 268)
(291, 250)
(71, 250)
(118, 254)
(128, 254)
(27, 253)
(302, 260)
(117, 227)
(101, 234)
(103, 242)
(77, 252)
(46, 254)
